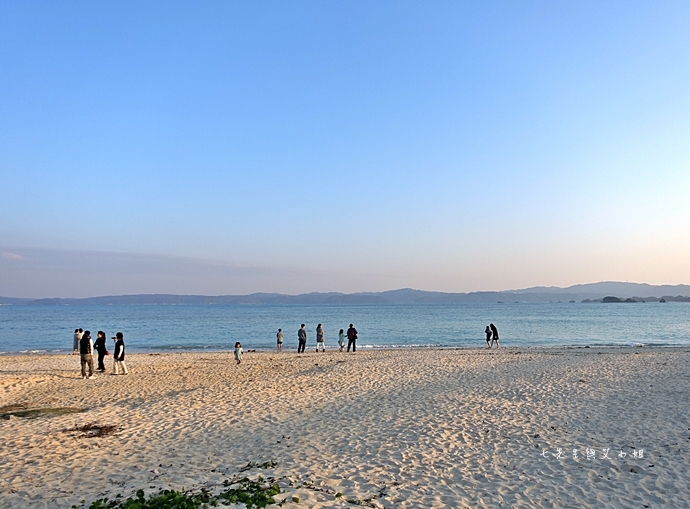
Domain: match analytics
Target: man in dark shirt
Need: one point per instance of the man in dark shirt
(302, 337)
(352, 338)
(86, 354)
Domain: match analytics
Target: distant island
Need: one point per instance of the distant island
(610, 299)
(604, 292)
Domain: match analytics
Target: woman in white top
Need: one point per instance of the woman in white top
(341, 339)
(320, 338)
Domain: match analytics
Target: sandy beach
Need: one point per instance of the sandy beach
(385, 428)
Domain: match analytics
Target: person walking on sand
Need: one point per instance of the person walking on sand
(279, 339)
(75, 343)
(341, 340)
(495, 335)
(99, 346)
(86, 354)
(119, 366)
(488, 333)
(302, 338)
(320, 338)
(352, 339)
(238, 352)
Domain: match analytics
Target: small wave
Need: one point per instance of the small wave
(415, 345)
(626, 344)
(189, 348)
(31, 352)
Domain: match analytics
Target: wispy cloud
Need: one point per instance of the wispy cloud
(11, 256)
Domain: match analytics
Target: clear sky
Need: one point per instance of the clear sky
(232, 147)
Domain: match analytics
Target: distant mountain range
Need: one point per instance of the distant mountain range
(592, 292)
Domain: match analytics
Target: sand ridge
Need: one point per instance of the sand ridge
(391, 428)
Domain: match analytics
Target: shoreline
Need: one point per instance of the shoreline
(334, 349)
(432, 427)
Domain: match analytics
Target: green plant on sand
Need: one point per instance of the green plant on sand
(166, 499)
(250, 493)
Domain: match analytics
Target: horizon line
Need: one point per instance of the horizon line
(340, 293)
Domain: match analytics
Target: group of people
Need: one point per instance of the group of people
(85, 346)
(491, 335)
(321, 339)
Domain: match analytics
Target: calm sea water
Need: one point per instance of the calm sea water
(160, 328)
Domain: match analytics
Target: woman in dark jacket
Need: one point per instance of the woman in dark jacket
(99, 346)
(494, 330)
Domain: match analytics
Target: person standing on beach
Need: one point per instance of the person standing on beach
(99, 346)
(75, 344)
(238, 352)
(86, 354)
(119, 366)
(494, 331)
(320, 338)
(352, 339)
(341, 340)
(488, 333)
(279, 339)
(302, 338)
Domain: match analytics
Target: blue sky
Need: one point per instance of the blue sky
(342, 146)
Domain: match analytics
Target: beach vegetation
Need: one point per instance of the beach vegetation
(31, 413)
(252, 493)
(165, 499)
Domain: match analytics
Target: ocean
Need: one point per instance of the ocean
(157, 328)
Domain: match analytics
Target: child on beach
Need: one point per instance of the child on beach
(238, 352)
(341, 339)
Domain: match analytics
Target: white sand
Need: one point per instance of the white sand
(410, 428)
